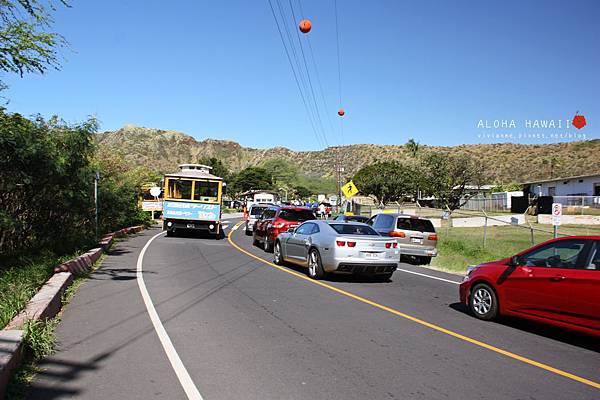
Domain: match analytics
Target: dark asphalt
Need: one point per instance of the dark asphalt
(245, 330)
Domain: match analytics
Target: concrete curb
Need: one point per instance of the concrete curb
(46, 304)
(11, 352)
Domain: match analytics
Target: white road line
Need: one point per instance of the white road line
(184, 378)
(428, 276)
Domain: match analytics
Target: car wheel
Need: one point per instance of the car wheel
(248, 233)
(386, 277)
(268, 247)
(169, 232)
(483, 302)
(425, 260)
(255, 241)
(277, 257)
(315, 267)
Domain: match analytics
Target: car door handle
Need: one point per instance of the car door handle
(558, 278)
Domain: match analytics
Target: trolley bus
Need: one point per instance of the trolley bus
(192, 200)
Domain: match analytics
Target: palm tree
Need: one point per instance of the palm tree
(413, 147)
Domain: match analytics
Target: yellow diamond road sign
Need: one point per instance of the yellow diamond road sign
(349, 189)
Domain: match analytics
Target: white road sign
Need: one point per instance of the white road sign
(556, 213)
(155, 191)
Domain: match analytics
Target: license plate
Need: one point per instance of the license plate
(191, 225)
(416, 240)
(371, 255)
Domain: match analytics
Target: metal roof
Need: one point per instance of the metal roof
(198, 171)
(562, 179)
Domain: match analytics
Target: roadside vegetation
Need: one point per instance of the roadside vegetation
(47, 214)
(460, 247)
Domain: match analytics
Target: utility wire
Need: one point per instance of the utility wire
(299, 70)
(337, 37)
(312, 91)
(328, 112)
(294, 73)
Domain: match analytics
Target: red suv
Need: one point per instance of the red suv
(556, 282)
(277, 219)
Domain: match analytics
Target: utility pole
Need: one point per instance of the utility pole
(96, 179)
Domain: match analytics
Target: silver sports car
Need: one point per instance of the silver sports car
(337, 247)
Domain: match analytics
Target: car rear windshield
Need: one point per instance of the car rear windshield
(415, 224)
(257, 210)
(352, 229)
(296, 215)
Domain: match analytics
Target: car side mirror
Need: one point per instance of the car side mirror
(291, 229)
(514, 261)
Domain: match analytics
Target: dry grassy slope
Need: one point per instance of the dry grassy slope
(163, 150)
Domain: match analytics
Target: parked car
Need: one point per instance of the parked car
(337, 247)
(416, 236)
(277, 219)
(351, 218)
(254, 213)
(556, 282)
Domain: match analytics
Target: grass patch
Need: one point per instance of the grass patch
(461, 247)
(20, 279)
(39, 342)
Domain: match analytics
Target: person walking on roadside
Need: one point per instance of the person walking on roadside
(322, 211)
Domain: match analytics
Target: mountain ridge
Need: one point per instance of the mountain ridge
(162, 150)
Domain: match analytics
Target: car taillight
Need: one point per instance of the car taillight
(340, 243)
(388, 245)
(279, 225)
(395, 245)
(397, 234)
(351, 244)
(432, 237)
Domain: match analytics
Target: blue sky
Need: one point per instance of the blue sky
(422, 69)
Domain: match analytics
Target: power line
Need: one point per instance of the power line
(299, 71)
(328, 112)
(312, 91)
(294, 73)
(337, 37)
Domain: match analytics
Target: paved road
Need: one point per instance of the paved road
(244, 329)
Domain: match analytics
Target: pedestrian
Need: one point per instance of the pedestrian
(322, 211)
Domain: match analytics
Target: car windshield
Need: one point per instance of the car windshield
(357, 218)
(354, 229)
(415, 224)
(257, 210)
(296, 215)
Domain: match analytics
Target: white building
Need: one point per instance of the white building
(259, 196)
(583, 185)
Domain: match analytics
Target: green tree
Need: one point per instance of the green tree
(302, 192)
(251, 178)
(386, 181)
(26, 45)
(447, 176)
(413, 147)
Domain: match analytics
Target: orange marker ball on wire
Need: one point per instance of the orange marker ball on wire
(305, 26)
(341, 112)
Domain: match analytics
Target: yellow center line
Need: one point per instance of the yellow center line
(420, 321)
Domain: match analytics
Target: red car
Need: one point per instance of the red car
(277, 219)
(556, 282)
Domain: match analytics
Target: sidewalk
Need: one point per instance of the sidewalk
(106, 345)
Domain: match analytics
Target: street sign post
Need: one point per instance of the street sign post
(155, 192)
(556, 215)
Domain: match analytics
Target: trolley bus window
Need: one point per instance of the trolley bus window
(179, 189)
(206, 191)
